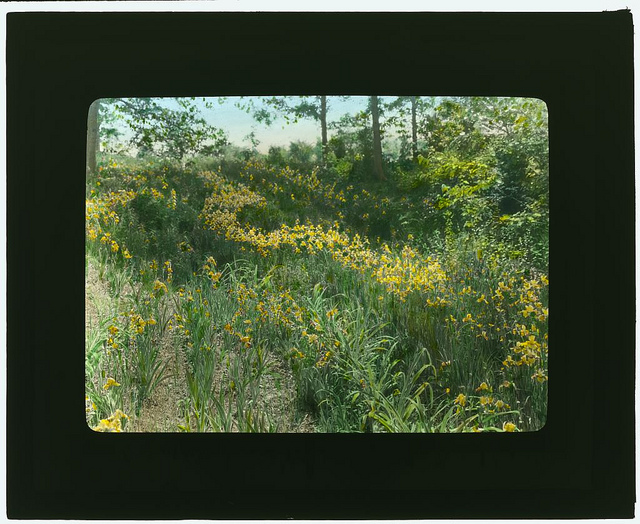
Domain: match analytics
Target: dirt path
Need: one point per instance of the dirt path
(96, 296)
(163, 411)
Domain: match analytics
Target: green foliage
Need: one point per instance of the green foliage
(174, 129)
(425, 311)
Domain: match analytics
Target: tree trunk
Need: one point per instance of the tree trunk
(323, 123)
(377, 143)
(414, 129)
(93, 138)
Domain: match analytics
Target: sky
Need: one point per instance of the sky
(238, 124)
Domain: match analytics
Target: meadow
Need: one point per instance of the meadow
(258, 293)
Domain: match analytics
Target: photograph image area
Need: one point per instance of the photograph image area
(317, 264)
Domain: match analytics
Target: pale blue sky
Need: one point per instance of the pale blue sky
(238, 124)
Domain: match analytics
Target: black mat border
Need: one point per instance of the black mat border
(580, 465)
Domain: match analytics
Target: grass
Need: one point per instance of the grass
(288, 302)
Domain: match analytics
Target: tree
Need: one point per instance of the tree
(93, 136)
(407, 115)
(292, 109)
(176, 131)
(323, 123)
(414, 129)
(377, 142)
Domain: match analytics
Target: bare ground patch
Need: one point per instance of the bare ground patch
(273, 407)
(96, 296)
(164, 409)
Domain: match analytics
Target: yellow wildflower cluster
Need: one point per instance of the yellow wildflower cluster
(408, 272)
(103, 208)
(227, 199)
(113, 424)
(259, 309)
(102, 212)
(401, 274)
(160, 286)
(167, 269)
(497, 316)
(280, 309)
(185, 247)
(529, 298)
(209, 269)
(307, 185)
(156, 195)
(490, 404)
(107, 240)
(532, 351)
(173, 200)
(137, 323)
(310, 188)
(485, 403)
(227, 195)
(137, 179)
(244, 337)
(112, 340)
(324, 359)
(461, 402)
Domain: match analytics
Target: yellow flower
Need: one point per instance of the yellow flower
(509, 427)
(160, 285)
(461, 400)
(508, 362)
(539, 376)
(110, 383)
(112, 424)
(528, 310)
(484, 400)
